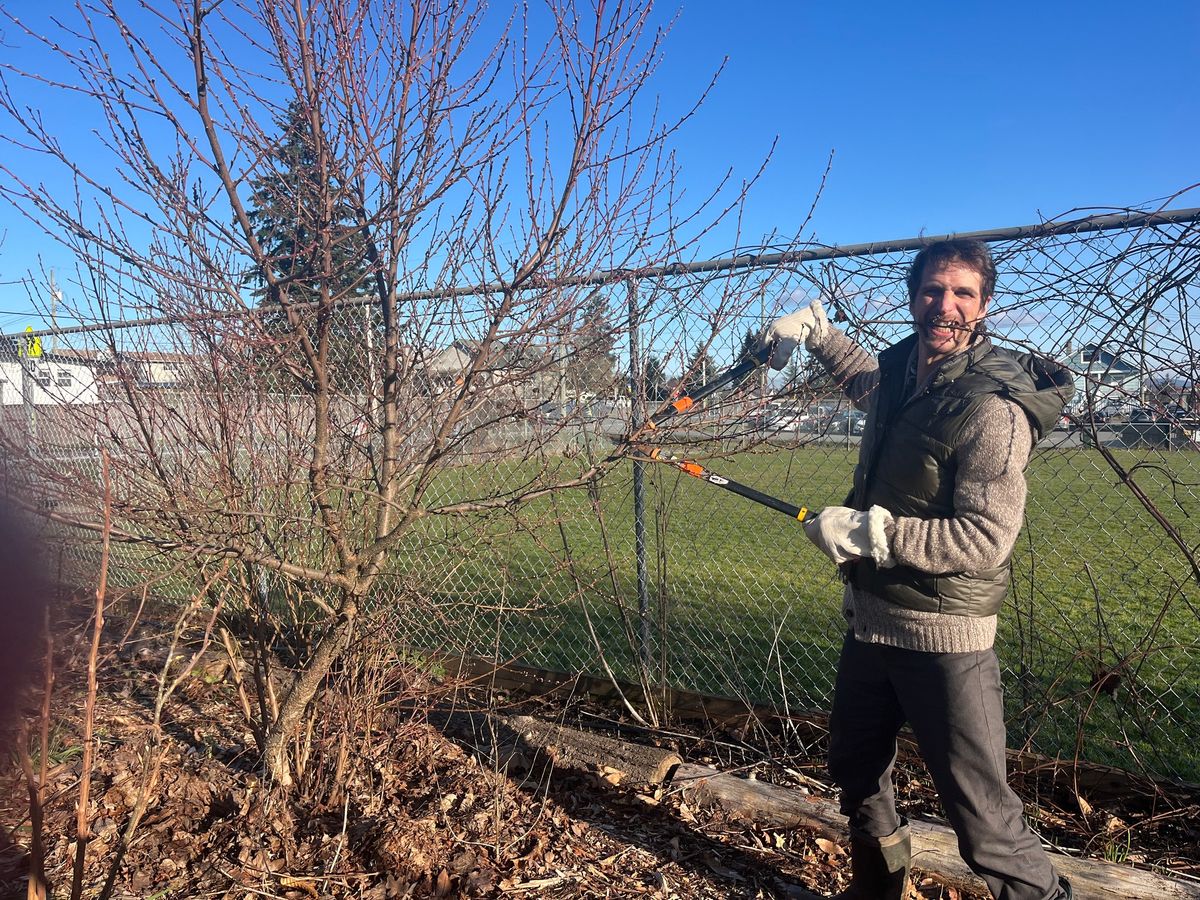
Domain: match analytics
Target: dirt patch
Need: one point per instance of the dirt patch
(385, 806)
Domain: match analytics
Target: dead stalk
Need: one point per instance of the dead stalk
(235, 668)
(82, 829)
(38, 887)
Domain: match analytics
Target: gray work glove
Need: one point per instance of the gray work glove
(807, 327)
(844, 534)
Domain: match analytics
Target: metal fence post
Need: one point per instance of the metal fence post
(637, 400)
(27, 390)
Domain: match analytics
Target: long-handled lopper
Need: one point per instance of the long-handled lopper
(686, 402)
(690, 467)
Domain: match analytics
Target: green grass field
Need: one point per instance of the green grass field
(741, 604)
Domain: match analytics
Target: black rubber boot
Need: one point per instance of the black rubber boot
(878, 866)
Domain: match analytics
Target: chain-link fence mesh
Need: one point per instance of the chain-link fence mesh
(509, 530)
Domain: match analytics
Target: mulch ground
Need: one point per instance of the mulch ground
(386, 806)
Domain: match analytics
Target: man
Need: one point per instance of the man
(924, 544)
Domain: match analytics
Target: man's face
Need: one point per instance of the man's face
(946, 309)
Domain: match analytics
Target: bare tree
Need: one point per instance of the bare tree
(480, 173)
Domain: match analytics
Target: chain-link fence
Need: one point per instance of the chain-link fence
(515, 523)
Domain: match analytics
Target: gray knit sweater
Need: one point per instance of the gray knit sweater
(989, 504)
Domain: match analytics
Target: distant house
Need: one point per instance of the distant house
(526, 367)
(1103, 378)
(153, 369)
(62, 378)
(449, 364)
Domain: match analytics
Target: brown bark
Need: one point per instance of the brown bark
(523, 743)
(618, 762)
(327, 652)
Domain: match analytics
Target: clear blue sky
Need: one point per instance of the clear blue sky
(941, 116)
(945, 116)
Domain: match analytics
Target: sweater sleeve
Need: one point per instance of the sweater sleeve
(989, 498)
(853, 369)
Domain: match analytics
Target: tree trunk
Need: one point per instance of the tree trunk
(328, 651)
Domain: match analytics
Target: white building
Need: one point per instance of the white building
(154, 369)
(62, 379)
(524, 368)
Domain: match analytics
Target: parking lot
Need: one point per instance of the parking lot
(1123, 435)
(1127, 435)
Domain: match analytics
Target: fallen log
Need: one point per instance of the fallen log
(1093, 782)
(758, 802)
(617, 761)
(524, 744)
(935, 848)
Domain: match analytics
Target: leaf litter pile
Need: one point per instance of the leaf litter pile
(386, 805)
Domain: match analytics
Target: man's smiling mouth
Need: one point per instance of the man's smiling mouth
(942, 327)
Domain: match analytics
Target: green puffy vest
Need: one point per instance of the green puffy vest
(907, 461)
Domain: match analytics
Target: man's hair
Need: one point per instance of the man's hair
(970, 253)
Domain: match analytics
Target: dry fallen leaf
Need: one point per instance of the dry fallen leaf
(721, 870)
(828, 846)
(442, 888)
(674, 852)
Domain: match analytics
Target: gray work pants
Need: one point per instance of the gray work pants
(954, 705)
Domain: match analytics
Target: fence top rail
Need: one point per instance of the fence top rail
(813, 252)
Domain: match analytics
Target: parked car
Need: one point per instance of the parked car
(1144, 429)
(776, 419)
(1110, 413)
(1181, 415)
(851, 422)
(764, 420)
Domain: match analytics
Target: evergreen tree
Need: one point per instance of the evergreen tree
(755, 382)
(749, 344)
(298, 209)
(656, 379)
(288, 210)
(793, 373)
(592, 360)
(699, 369)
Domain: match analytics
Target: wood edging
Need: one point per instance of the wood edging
(1095, 780)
